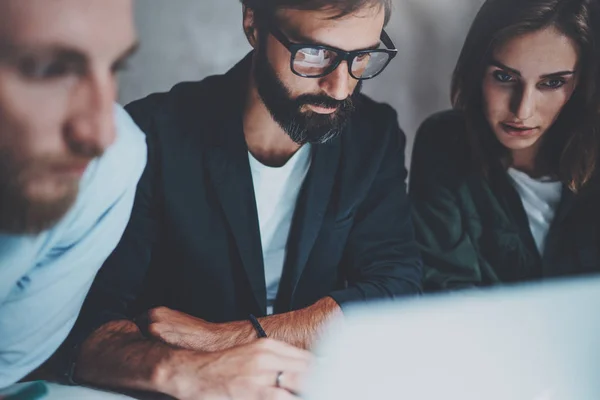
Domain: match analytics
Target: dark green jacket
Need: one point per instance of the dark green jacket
(473, 230)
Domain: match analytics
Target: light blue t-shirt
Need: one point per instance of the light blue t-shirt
(44, 278)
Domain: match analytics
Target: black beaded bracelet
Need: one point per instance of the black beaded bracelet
(259, 329)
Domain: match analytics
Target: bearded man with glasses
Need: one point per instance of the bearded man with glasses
(273, 197)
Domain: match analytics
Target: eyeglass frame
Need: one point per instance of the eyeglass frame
(342, 55)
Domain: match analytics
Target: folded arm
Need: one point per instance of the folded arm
(300, 328)
(118, 356)
(381, 261)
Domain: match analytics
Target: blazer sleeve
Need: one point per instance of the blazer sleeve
(381, 258)
(450, 258)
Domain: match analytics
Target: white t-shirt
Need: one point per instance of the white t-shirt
(276, 191)
(540, 198)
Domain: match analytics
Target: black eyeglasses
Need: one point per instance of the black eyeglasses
(316, 61)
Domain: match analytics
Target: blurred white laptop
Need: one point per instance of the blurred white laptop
(539, 342)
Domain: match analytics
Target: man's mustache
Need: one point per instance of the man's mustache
(322, 101)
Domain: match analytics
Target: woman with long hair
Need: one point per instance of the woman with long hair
(504, 186)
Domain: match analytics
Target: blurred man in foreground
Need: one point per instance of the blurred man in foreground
(69, 164)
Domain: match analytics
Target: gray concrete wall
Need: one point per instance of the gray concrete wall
(190, 39)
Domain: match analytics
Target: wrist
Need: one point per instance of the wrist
(241, 332)
(212, 337)
(258, 328)
(163, 374)
(171, 374)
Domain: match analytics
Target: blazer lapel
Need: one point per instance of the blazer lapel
(308, 219)
(228, 168)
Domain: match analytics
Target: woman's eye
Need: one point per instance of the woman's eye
(553, 83)
(503, 77)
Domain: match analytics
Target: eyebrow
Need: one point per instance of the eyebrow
(498, 64)
(298, 38)
(129, 52)
(68, 54)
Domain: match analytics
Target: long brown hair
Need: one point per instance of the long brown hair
(570, 148)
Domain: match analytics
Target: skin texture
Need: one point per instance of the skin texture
(57, 87)
(300, 328)
(523, 95)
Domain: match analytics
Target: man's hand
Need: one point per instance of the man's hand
(118, 356)
(187, 332)
(247, 372)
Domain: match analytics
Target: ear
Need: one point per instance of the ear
(250, 27)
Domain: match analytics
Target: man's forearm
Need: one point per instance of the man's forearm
(303, 327)
(300, 328)
(118, 356)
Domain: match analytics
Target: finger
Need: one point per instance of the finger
(159, 330)
(270, 362)
(155, 314)
(161, 313)
(291, 381)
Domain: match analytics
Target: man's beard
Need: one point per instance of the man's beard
(302, 127)
(21, 214)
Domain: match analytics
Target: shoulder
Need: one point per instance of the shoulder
(181, 93)
(443, 129)
(186, 101)
(441, 143)
(374, 111)
(374, 115)
(373, 145)
(375, 126)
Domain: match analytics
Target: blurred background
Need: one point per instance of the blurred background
(190, 39)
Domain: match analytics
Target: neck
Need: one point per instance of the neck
(525, 160)
(265, 139)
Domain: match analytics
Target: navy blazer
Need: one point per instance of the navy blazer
(193, 240)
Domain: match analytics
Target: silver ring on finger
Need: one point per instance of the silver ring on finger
(278, 379)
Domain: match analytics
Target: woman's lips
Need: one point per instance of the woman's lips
(517, 130)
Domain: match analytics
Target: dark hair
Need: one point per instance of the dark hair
(344, 7)
(570, 148)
